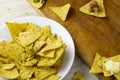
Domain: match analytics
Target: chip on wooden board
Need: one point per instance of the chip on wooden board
(61, 11)
(100, 5)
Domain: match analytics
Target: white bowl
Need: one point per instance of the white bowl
(69, 54)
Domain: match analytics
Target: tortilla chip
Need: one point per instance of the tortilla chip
(51, 61)
(9, 74)
(52, 77)
(52, 45)
(97, 64)
(30, 63)
(26, 72)
(14, 52)
(16, 28)
(50, 54)
(61, 11)
(78, 76)
(8, 66)
(101, 13)
(37, 3)
(117, 76)
(31, 27)
(43, 72)
(38, 45)
(27, 38)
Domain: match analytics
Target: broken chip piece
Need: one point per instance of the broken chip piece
(61, 11)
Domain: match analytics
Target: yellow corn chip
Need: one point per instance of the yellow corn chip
(27, 38)
(30, 63)
(52, 77)
(8, 66)
(43, 72)
(9, 74)
(26, 72)
(16, 28)
(52, 45)
(61, 11)
(78, 76)
(86, 9)
(50, 53)
(97, 64)
(14, 52)
(51, 61)
(37, 3)
(33, 27)
(38, 45)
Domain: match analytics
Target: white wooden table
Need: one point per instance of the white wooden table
(12, 9)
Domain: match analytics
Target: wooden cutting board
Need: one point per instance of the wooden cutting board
(90, 34)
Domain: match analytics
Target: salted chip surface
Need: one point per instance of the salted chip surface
(9, 74)
(61, 11)
(86, 9)
(78, 76)
(43, 72)
(97, 64)
(37, 3)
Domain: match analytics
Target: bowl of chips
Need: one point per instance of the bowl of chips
(35, 48)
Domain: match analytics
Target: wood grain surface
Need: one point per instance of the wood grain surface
(90, 34)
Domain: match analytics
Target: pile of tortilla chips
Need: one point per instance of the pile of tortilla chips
(33, 54)
(99, 66)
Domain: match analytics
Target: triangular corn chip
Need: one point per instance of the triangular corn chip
(16, 28)
(61, 11)
(51, 61)
(86, 9)
(97, 64)
(27, 38)
(37, 3)
(78, 76)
